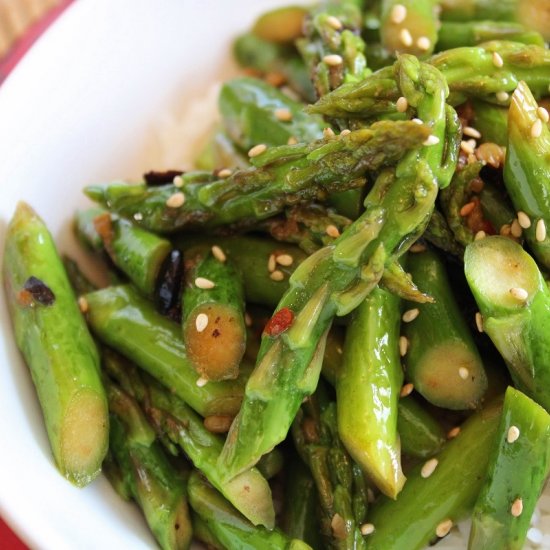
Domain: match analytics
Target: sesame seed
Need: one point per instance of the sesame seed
(467, 209)
(178, 181)
(407, 389)
(284, 260)
(406, 37)
(463, 372)
(479, 321)
(442, 530)
(505, 230)
(367, 529)
(332, 231)
(536, 129)
(429, 467)
(417, 247)
(204, 284)
(410, 315)
(247, 319)
(398, 14)
(292, 141)
(540, 231)
(402, 104)
(472, 159)
(519, 294)
(403, 345)
(543, 114)
(513, 434)
(453, 432)
(138, 216)
(517, 507)
(503, 96)
(424, 43)
(176, 200)
(218, 253)
(334, 22)
(277, 275)
(480, 235)
(523, 220)
(284, 115)
(471, 132)
(370, 495)
(431, 140)
(201, 382)
(515, 229)
(417, 121)
(497, 60)
(224, 173)
(83, 304)
(328, 133)
(466, 147)
(257, 150)
(345, 132)
(271, 263)
(333, 60)
(201, 322)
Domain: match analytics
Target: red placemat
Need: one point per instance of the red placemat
(8, 540)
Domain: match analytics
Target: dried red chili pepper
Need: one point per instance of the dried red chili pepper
(281, 321)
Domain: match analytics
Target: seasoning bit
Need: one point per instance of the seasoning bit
(224, 173)
(204, 284)
(515, 229)
(83, 304)
(218, 253)
(247, 319)
(443, 529)
(177, 181)
(345, 132)
(540, 231)
(519, 294)
(407, 389)
(463, 372)
(176, 200)
(536, 129)
(398, 14)
(333, 60)
(335, 23)
(431, 140)
(367, 529)
(517, 507)
(406, 37)
(138, 216)
(467, 148)
(479, 322)
(403, 345)
(471, 132)
(480, 235)
(467, 209)
(332, 231)
(201, 322)
(292, 141)
(402, 104)
(543, 114)
(429, 468)
(410, 315)
(513, 434)
(417, 121)
(257, 150)
(424, 43)
(503, 96)
(284, 115)
(201, 382)
(497, 60)
(417, 247)
(271, 263)
(453, 432)
(524, 220)
(328, 133)
(277, 275)
(285, 260)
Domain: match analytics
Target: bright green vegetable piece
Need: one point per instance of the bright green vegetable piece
(491, 121)
(513, 299)
(496, 206)
(440, 235)
(57, 347)
(442, 360)
(124, 320)
(220, 153)
(280, 25)
(518, 467)
(527, 170)
(367, 391)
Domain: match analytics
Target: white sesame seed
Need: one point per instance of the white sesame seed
(403, 345)
(406, 37)
(224, 173)
(284, 260)
(463, 372)
(417, 247)
(333, 60)
(480, 235)
(284, 115)
(517, 507)
(516, 229)
(177, 181)
(204, 284)
(503, 96)
(497, 60)
(201, 382)
(442, 530)
(471, 132)
(176, 200)
(247, 319)
(472, 143)
(466, 147)
(536, 129)
(277, 275)
(540, 231)
(543, 114)
(417, 121)
(524, 220)
(332, 231)
(513, 434)
(410, 315)
(402, 104)
(479, 322)
(83, 304)
(519, 294)
(334, 22)
(453, 432)
(370, 495)
(218, 253)
(328, 133)
(138, 216)
(257, 150)
(201, 322)
(505, 230)
(431, 140)
(398, 14)
(271, 263)
(429, 467)
(367, 529)
(345, 132)
(424, 43)
(292, 141)
(407, 389)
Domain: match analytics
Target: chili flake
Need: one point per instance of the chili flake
(280, 322)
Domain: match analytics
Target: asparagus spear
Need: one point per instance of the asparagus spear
(527, 170)
(138, 253)
(125, 321)
(518, 467)
(214, 332)
(438, 493)
(57, 347)
(368, 388)
(440, 235)
(496, 206)
(513, 299)
(177, 422)
(280, 25)
(280, 176)
(152, 481)
(337, 278)
(219, 153)
(441, 360)
(79, 282)
(228, 527)
(491, 121)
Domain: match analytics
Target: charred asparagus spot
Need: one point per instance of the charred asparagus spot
(169, 286)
